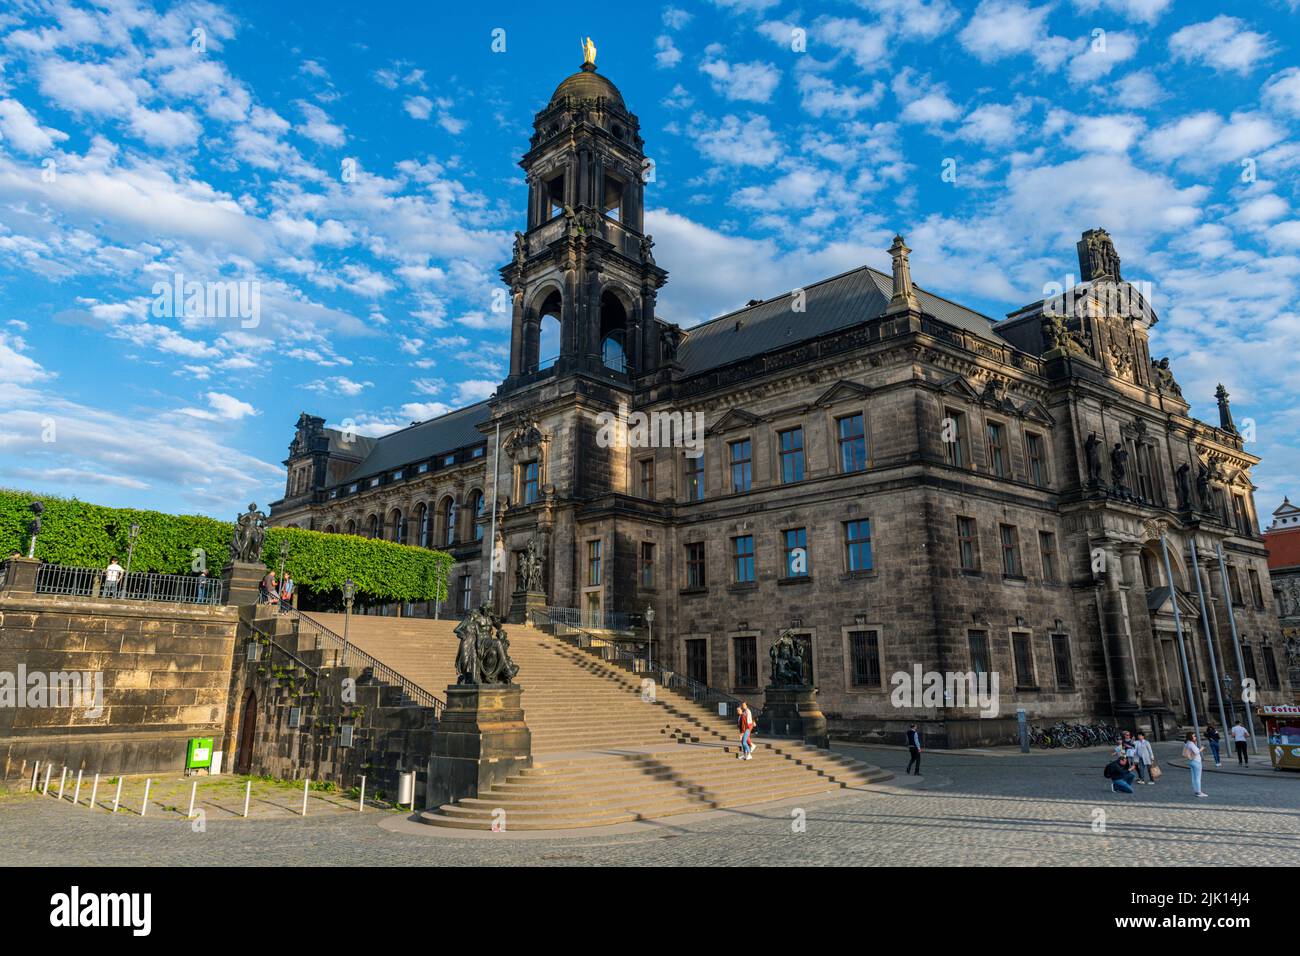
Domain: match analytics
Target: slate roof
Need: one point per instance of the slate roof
(422, 440)
(830, 305)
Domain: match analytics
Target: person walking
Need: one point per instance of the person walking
(1120, 774)
(201, 587)
(914, 749)
(745, 723)
(1145, 761)
(1192, 750)
(1212, 738)
(269, 587)
(1239, 737)
(286, 592)
(113, 578)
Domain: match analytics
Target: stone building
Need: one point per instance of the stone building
(1283, 542)
(897, 478)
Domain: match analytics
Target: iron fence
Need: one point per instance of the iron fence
(136, 586)
(597, 620)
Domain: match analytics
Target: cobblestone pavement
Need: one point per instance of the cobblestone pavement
(1049, 808)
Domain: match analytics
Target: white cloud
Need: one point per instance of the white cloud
(1224, 44)
(675, 18)
(915, 18)
(866, 44)
(1281, 93)
(735, 142)
(925, 102)
(19, 127)
(753, 81)
(1138, 90)
(1115, 133)
(1100, 55)
(1146, 11)
(821, 96)
(1003, 28)
(667, 55)
(318, 126)
(1202, 139)
(418, 107)
(992, 124)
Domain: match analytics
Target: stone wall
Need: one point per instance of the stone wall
(164, 669)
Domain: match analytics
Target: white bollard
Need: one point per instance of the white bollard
(194, 789)
(76, 794)
(144, 807)
(63, 778)
(305, 782)
(49, 768)
(94, 791)
(248, 792)
(36, 770)
(117, 797)
(362, 805)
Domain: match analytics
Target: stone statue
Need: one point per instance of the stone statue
(250, 532)
(1092, 453)
(1057, 335)
(672, 341)
(1097, 257)
(483, 656)
(1184, 482)
(1203, 487)
(588, 52)
(1164, 378)
(1118, 465)
(789, 666)
(529, 570)
(647, 243)
(521, 249)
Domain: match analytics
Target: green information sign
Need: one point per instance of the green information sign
(199, 754)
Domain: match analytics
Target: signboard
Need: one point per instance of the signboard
(199, 753)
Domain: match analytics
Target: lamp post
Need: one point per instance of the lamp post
(130, 547)
(1227, 688)
(349, 595)
(650, 628)
(34, 526)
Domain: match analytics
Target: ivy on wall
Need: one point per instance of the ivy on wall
(79, 534)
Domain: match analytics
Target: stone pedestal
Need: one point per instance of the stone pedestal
(480, 740)
(240, 581)
(793, 712)
(523, 603)
(21, 576)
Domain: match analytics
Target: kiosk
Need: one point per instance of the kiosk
(1282, 731)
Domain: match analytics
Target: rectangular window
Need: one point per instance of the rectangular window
(1036, 464)
(647, 466)
(1010, 550)
(1146, 488)
(853, 443)
(1061, 661)
(466, 593)
(1270, 666)
(996, 435)
(1234, 586)
(795, 541)
(593, 562)
(1256, 594)
(864, 649)
(693, 470)
(980, 662)
(695, 565)
(555, 200)
(697, 660)
(746, 650)
(857, 545)
(1022, 650)
(1239, 514)
(742, 558)
(953, 435)
(530, 491)
(791, 455)
(742, 466)
(613, 203)
(647, 564)
(1248, 660)
(1047, 548)
(967, 544)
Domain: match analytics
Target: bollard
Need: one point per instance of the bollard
(63, 778)
(94, 791)
(49, 768)
(305, 782)
(117, 798)
(194, 789)
(248, 792)
(362, 805)
(36, 771)
(76, 794)
(144, 807)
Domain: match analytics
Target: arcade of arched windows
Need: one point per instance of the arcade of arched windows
(440, 520)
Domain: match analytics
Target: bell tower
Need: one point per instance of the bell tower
(583, 279)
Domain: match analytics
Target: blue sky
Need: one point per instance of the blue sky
(358, 163)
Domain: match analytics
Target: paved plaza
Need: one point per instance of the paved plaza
(970, 809)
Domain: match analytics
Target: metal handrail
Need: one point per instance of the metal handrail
(381, 671)
(601, 620)
(136, 586)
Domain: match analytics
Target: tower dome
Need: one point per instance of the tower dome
(588, 84)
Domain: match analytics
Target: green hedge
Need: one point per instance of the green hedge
(78, 534)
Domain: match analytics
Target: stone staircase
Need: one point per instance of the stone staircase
(602, 753)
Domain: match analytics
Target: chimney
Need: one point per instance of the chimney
(1225, 413)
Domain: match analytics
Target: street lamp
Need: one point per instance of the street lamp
(34, 526)
(650, 627)
(1227, 688)
(349, 595)
(130, 548)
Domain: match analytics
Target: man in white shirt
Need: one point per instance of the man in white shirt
(112, 578)
(1239, 737)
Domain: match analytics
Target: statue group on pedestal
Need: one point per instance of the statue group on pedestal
(789, 661)
(250, 533)
(528, 571)
(483, 656)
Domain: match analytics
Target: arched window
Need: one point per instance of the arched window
(329, 529)
(541, 334)
(449, 521)
(396, 527)
(352, 527)
(372, 526)
(613, 326)
(422, 522)
(476, 507)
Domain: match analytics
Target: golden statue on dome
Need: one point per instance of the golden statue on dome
(588, 52)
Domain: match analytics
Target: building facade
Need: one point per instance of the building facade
(1282, 538)
(899, 480)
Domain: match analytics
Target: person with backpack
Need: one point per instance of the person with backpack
(745, 723)
(286, 593)
(1120, 774)
(914, 749)
(1212, 736)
